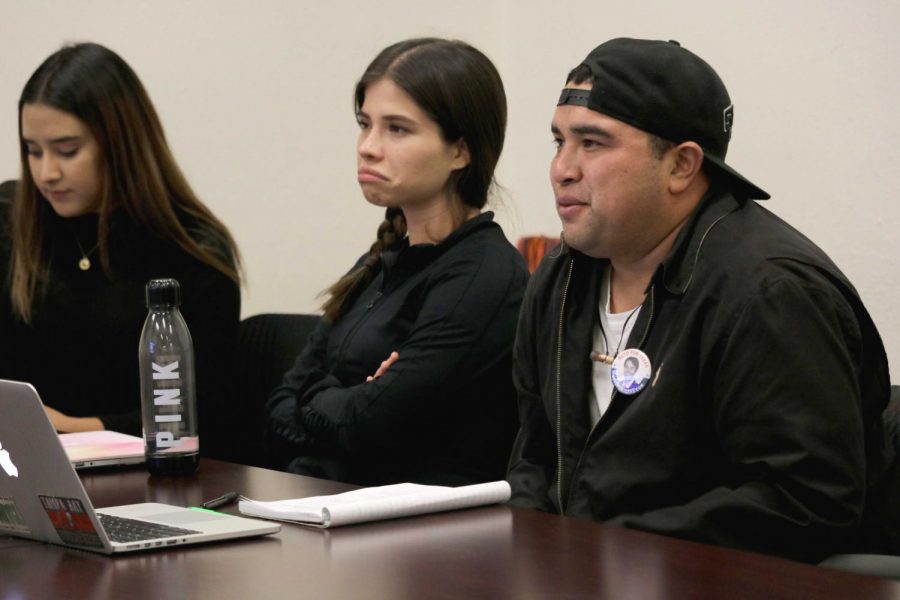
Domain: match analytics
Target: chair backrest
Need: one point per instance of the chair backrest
(7, 190)
(891, 420)
(535, 247)
(267, 346)
(887, 523)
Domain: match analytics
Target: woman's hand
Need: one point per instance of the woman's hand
(66, 424)
(385, 365)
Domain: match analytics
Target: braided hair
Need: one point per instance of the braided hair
(391, 232)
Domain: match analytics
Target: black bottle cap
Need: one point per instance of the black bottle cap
(161, 293)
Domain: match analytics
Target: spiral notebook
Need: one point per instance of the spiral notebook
(377, 503)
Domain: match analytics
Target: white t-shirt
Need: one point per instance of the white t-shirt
(617, 327)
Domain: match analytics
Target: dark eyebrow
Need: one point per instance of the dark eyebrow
(59, 140)
(389, 118)
(584, 130)
(591, 130)
(398, 119)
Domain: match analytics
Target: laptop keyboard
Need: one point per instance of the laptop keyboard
(120, 529)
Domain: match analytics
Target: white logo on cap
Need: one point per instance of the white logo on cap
(728, 118)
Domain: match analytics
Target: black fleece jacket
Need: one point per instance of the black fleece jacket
(444, 413)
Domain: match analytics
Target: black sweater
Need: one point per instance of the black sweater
(80, 350)
(444, 413)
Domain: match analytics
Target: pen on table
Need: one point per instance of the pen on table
(221, 500)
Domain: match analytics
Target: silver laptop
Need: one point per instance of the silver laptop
(41, 496)
(88, 449)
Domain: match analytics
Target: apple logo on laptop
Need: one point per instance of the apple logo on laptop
(7, 463)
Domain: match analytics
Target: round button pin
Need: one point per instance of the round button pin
(631, 371)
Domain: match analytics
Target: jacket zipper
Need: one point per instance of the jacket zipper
(374, 299)
(594, 427)
(361, 320)
(559, 454)
(615, 392)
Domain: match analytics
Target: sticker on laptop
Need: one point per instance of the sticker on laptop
(10, 519)
(71, 521)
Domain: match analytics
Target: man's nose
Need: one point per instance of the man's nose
(564, 167)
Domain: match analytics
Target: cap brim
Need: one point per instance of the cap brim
(738, 183)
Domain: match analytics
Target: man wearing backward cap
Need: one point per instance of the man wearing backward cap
(758, 422)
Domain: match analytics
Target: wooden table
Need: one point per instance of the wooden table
(492, 552)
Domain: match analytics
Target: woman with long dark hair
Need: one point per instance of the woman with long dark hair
(101, 208)
(408, 376)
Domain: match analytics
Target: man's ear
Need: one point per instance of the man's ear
(462, 158)
(687, 160)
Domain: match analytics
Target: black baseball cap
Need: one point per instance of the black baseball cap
(668, 91)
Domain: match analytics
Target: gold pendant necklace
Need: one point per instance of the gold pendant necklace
(84, 262)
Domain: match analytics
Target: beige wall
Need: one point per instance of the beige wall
(256, 100)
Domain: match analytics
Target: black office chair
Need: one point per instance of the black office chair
(880, 565)
(7, 190)
(267, 346)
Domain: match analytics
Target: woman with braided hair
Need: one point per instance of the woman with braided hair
(407, 378)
